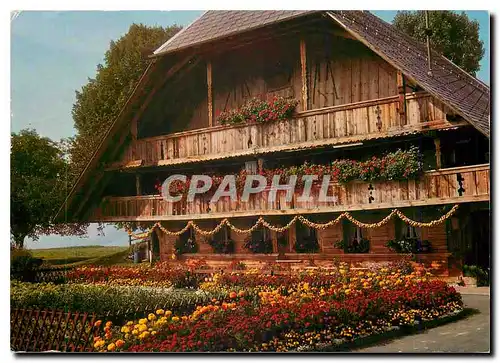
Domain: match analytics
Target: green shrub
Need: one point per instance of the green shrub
(101, 299)
(354, 246)
(477, 272)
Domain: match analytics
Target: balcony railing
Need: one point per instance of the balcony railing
(321, 127)
(452, 185)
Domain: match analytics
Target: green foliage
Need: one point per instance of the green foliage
(221, 245)
(409, 245)
(23, 265)
(453, 35)
(307, 244)
(183, 245)
(354, 246)
(37, 188)
(260, 245)
(101, 99)
(477, 272)
(103, 299)
(65, 255)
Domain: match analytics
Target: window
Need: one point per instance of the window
(259, 241)
(306, 239)
(261, 234)
(186, 242)
(353, 239)
(411, 232)
(358, 234)
(221, 242)
(404, 230)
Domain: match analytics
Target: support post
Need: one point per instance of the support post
(137, 184)
(303, 68)
(210, 94)
(437, 144)
(402, 97)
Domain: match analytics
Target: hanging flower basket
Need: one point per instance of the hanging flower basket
(354, 246)
(409, 245)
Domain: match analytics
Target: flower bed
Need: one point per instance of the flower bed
(103, 300)
(295, 312)
(162, 274)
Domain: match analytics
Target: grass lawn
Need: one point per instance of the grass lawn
(78, 254)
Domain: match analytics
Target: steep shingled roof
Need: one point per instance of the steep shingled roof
(217, 24)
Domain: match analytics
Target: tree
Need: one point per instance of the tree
(37, 188)
(101, 99)
(453, 35)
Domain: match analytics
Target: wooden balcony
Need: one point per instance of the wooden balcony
(445, 186)
(321, 127)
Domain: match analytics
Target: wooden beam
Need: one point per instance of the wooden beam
(303, 70)
(88, 193)
(138, 184)
(138, 114)
(210, 94)
(97, 178)
(90, 211)
(402, 97)
(137, 92)
(437, 144)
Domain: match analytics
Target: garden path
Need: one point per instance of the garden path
(469, 335)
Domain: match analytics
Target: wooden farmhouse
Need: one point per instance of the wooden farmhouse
(340, 91)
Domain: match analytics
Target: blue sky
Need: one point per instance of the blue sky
(54, 53)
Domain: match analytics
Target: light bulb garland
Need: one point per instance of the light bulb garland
(302, 219)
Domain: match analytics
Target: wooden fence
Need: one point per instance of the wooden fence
(39, 330)
(34, 330)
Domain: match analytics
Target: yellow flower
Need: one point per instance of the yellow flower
(130, 323)
(151, 317)
(144, 335)
(143, 321)
(111, 347)
(135, 331)
(175, 319)
(125, 329)
(160, 312)
(143, 327)
(168, 313)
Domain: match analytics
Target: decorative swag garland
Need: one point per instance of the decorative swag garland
(398, 165)
(302, 219)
